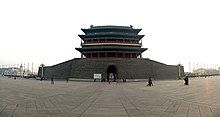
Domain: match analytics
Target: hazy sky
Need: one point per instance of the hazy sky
(46, 31)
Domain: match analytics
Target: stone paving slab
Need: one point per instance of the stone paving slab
(33, 98)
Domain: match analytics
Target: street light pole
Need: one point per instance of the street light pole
(32, 69)
(42, 70)
(179, 70)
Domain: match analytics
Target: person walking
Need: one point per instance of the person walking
(150, 82)
(186, 80)
(67, 79)
(52, 82)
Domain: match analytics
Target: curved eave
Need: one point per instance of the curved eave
(138, 30)
(84, 30)
(110, 36)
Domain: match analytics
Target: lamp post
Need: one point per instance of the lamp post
(179, 74)
(32, 69)
(42, 70)
(218, 70)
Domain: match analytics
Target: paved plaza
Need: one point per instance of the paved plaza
(34, 98)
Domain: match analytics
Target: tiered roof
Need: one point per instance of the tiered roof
(127, 40)
(111, 32)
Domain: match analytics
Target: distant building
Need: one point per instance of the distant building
(205, 72)
(14, 71)
(114, 52)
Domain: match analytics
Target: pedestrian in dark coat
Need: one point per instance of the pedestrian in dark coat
(67, 79)
(52, 82)
(186, 80)
(150, 83)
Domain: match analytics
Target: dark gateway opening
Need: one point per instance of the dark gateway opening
(111, 73)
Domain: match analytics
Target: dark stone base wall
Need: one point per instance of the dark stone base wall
(126, 68)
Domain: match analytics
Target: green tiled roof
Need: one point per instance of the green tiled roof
(111, 32)
(111, 49)
(110, 27)
(111, 36)
(131, 31)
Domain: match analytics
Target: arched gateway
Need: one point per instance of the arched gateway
(111, 73)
